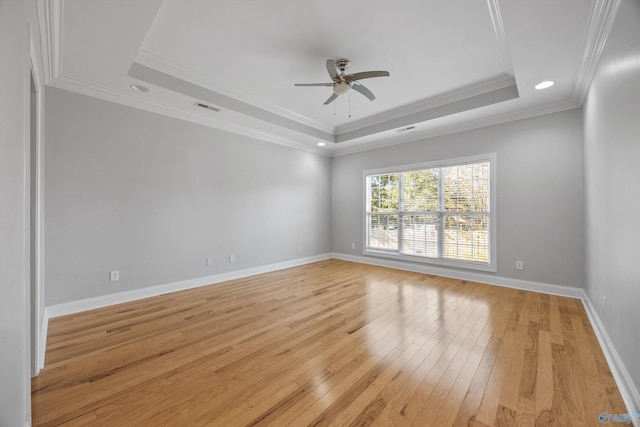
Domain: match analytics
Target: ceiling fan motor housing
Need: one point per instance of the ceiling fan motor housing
(342, 64)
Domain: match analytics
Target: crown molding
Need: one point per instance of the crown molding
(603, 14)
(50, 17)
(501, 35)
(119, 97)
(166, 66)
(466, 104)
(462, 126)
(496, 83)
(479, 88)
(199, 93)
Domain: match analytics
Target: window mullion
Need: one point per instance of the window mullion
(440, 214)
(368, 211)
(401, 212)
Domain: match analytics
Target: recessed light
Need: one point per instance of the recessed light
(321, 144)
(139, 88)
(545, 84)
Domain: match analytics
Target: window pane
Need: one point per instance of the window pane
(481, 196)
(434, 212)
(454, 200)
(466, 237)
(384, 193)
(420, 190)
(481, 187)
(466, 188)
(382, 231)
(420, 235)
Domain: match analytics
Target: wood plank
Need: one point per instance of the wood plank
(505, 417)
(555, 325)
(530, 365)
(333, 342)
(544, 380)
(468, 409)
(562, 406)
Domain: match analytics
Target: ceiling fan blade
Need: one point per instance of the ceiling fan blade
(365, 75)
(313, 84)
(363, 90)
(331, 99)
(331, 68)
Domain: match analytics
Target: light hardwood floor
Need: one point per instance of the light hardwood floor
(329, 343)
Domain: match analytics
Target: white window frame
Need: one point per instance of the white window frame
(459, 161)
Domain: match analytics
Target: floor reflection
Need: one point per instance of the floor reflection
(437, 319)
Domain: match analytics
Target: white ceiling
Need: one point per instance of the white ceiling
(453, 64)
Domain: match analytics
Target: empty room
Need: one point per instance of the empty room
(314, 213)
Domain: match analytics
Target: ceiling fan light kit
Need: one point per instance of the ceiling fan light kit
(342, 83)
(341, 88)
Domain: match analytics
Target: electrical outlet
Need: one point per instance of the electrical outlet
(299, 248)
(209, 262)
(519, 265)
(114, 276)
(353, 246)
(232, 258)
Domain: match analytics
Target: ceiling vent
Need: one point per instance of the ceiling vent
(406, 129)
(208, 107)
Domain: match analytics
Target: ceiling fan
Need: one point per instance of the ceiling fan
(342, 82)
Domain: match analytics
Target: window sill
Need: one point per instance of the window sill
(466, 265)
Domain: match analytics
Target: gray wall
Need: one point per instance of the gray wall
(14, 281)
(540, 192)
(153, 197)
(612, 159)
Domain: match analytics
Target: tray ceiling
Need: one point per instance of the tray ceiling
(453, 65)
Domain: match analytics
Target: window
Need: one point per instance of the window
(435, 212)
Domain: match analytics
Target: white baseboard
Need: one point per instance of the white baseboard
(152, 291)
(491, 279)
(42, 345)
(627, 388)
